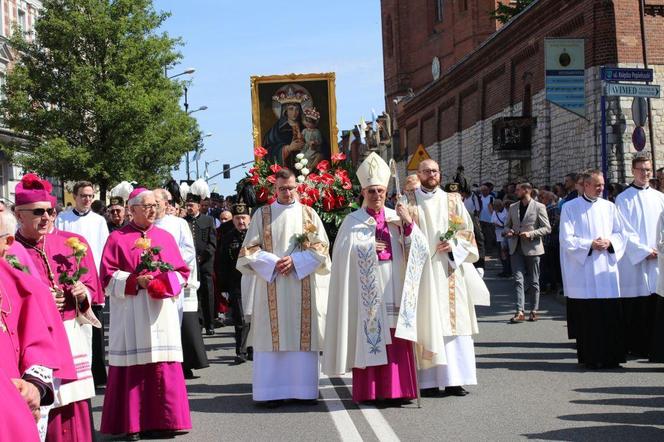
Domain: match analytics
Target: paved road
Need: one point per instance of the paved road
(530, 387)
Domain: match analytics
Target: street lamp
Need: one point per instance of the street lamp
(187, 71)
(202, 108)
(207, 165)
(186, 109)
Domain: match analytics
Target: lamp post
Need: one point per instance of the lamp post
(199, 152)
(187, 71)
(207, 165)
(186, 109)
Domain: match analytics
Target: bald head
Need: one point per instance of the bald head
(429, 174)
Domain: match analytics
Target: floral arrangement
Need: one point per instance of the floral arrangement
(150, 264)
(13, 261)
(456, 224)
(79, 251)
(327, 187)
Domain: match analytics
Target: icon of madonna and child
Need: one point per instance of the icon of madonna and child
(299, 123)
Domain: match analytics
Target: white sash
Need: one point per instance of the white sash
(84, 387)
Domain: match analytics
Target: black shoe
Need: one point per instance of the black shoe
(269, 404)
(430, 392)
(189, 374)
(132, 436)
(456, 391)
(240, 360)
(209, 331)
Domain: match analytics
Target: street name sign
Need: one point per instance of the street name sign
(627, 74)
(631, 90)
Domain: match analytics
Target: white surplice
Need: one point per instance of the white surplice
(90, 226)
(640, 210)
(588, 273)
(179, 229)
(449, 279)
(288, 321)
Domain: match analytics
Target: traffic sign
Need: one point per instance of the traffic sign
(640, 111)
(627, 74)
(639, 138)
(420, 155)
(631, 90)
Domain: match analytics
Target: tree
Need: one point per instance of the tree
(504, 13)
(91, 96)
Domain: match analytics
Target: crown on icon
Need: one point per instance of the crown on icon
(312, 113)
(290, 95)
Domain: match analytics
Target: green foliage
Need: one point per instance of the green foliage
(90, 94)
(505, 12)
(149, 262)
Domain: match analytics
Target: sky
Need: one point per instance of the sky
(228, 41)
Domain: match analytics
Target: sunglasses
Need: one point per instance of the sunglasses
(39, 212)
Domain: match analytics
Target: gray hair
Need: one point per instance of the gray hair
(7, 223)
(138, 199)
(162, 194)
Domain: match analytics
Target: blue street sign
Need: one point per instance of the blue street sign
(627, 74)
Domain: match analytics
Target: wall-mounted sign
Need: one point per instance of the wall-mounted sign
(565, 73)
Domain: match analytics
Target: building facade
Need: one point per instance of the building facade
(454, 77)
(21, 13)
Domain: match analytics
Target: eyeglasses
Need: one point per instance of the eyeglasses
(147, 206)
(115, 210)
(39, 212)
(430, 171)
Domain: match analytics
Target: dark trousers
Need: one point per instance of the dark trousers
(98, 353)
(205, 295)
(241, 327)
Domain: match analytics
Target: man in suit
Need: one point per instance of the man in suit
(205, 241)
(526, 224)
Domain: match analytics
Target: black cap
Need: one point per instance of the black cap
(116, 201)
(191, 198)
(240, 209)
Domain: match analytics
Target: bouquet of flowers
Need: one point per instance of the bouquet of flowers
(163, 283)
(79, 251)
(328, 187)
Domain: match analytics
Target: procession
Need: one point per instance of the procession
(479, 261)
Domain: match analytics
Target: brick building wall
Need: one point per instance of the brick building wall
(453, 116)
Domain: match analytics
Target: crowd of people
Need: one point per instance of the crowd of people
(392, 301)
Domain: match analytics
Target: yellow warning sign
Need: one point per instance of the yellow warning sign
(419, 156)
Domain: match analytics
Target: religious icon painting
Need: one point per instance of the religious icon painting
(295, 114)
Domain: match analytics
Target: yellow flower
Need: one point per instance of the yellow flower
(310, 227)
(142, 243)
(456, 219)
(80, 248)
(73, 242)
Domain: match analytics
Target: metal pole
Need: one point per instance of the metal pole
(186, 109)
(644, 47)
(605, 165)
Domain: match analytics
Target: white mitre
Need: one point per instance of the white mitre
(373, 171)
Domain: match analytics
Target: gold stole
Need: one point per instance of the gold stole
(305, 313)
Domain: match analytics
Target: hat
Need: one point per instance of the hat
(373, 171)
(32, 189)
(198, 191)
(452, 187)
(120, 193)
(240, 209)
(136, 192)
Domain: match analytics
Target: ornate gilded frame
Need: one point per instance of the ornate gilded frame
(328, 77)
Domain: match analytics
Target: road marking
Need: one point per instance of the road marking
(345, 425)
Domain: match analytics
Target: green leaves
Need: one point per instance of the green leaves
(505, 12)
(90, 96)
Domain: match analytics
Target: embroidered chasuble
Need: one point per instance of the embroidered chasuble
(288, 312)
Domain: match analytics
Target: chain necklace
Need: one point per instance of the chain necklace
(42, 254)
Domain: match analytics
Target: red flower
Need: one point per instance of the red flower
(156, 289)
(338, 157)
(260, 152)
(262, 194)
(328, 203)
(271, 199)
(313, 193)
(327, 179)
(252, 171)
(341, 173)
(275, 168)
(306, 200)
(346, 185)
(301, 188)
(341, 201)
(254, 179)
(323, 165)
(272, 178)
(314, 178)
